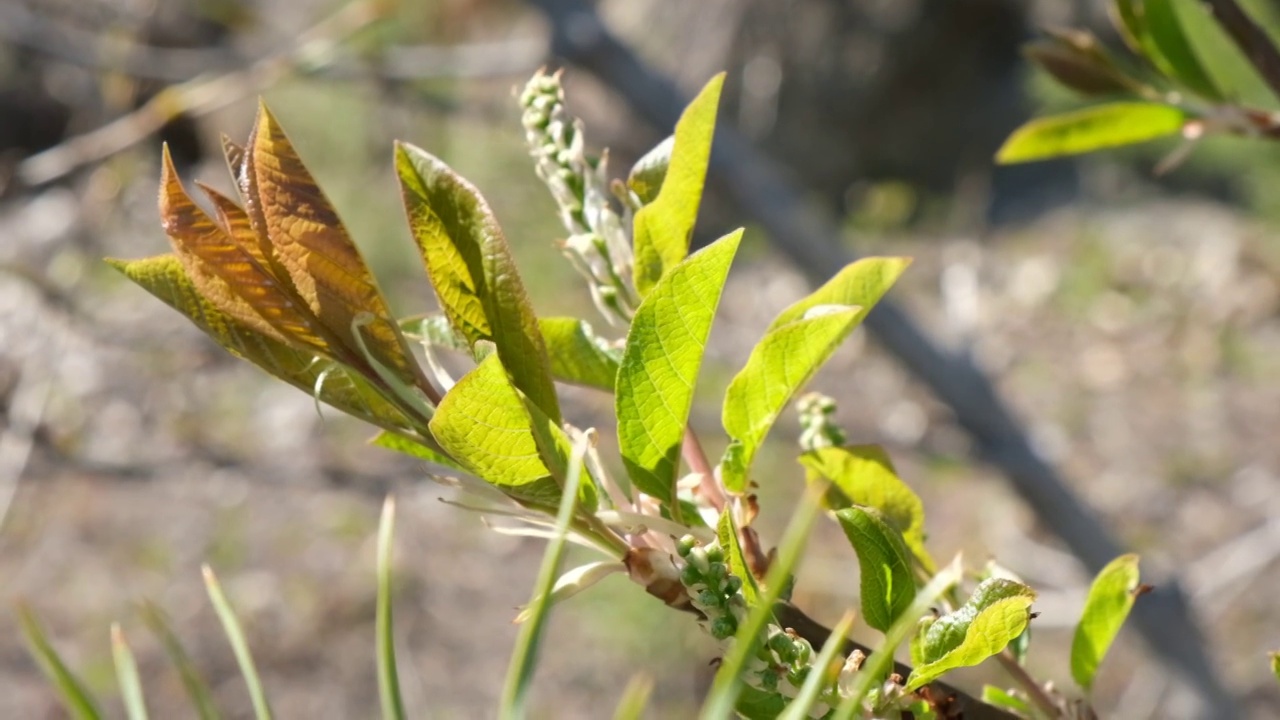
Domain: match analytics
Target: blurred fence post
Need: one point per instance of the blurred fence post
(763, 192)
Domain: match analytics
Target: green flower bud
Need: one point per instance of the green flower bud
(698, 558)
(690, 576)
(715, 554)
(724, 627)
(732, 585)
(685, 544)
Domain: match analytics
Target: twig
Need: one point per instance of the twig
(1034, 690)
(194, 97)
(813, 241)
(1252, 40)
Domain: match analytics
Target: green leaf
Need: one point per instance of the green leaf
(727, 534)
(1231, 70)
(413, 447)
(388, 677)
(71, 691)
(1093, 128)
(664, 227)
(483, 423)
(660, 365)
(578, 355)
(135, 705)
(993, 695)
(1275, 664)
(524, 656)
(756, 704)
(996, 613)
(239, 645)
(783, 362)
(163, 276)
(888, 587)
(197, 689)
(472, 270)
(859, 284)
(436, 331)
(727, 685)
(864, 475)
(1171, 51)
(1110, 599)
(647, 175)
(877, 666)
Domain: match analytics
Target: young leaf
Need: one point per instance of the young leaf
(483, 424)
(647, 175)
(578, 355)
(859, 284)
(996, 613)
(779, 365)
(75, 698)
(1077, 60)
(239, 645)
(663, 227)
(864, 475)
(876, 667)
(388, 677)
(163, 276)
(472, 270)
(308, 244)
(525, 655)
(135, 706)
(1110, 599)
(414, 447)
(1093, 128)
(888, 587)
(727, 534)
(197, 689)
(660, 365)
(575, 581)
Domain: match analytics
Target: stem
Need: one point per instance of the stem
(1034, 690)
(694, 456)
(1250, 38)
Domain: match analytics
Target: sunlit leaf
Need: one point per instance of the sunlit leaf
(71, 691)
(1094, 128)
(646, 176)
(309, 244)
(1111, 597)
(859, 284)
(135, 705)
(483, 423)
(163, 276)
(993, 695)
(634, 698)
(1171, 51)
(864, 475)
(664, 227)
(783, 362)
(232, 628)
(996, 613)
(887, 584)
(660, 365)
(472, 270)
(578, 355)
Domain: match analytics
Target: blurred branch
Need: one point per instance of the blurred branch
(21, 27)
(1252, 40)
(764, 193)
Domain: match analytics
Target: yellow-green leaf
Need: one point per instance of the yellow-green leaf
(782, 363)
(660, 365)
(1110, 599)
(859, 284)
(864, 475)
(1093, 128)
(664, 227)
(472, 270)
(332, 383)
(484, 425)
(996, 614)
(578, 355)
(727, 534)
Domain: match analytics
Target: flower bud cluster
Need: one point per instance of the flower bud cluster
(818, 428)
(782, 660)
(598, 245)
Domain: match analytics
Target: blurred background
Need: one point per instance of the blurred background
(1132, 322)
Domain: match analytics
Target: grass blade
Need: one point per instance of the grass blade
(388, 679)
(728, 681)
(75, 697)
(135, 707)
(812, 688)
(197, 689)
(239, 645)
(524, 657)
(634, 698)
